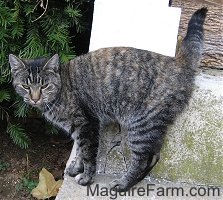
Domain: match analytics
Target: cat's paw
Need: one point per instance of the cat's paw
(120, 185)
(83, 179)
(76, 167)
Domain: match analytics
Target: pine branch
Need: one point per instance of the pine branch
(17, 133)
(5, 73)
(18, 29)
(33, 46)
(76, 17)
(51, 129)
(20, 35)
(21, 109)
(4, 95)
(3, 113)
(6, 18)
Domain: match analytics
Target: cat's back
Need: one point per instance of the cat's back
(112, 79)
(119, 57)
(123, 67)
(110, 63)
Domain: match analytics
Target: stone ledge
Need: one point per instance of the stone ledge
(193, 149)
(150, 189)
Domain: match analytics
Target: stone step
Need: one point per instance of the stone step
(192, 152)
(152, 189)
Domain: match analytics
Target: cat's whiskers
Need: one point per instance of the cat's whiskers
(26, 100)
(50, 109)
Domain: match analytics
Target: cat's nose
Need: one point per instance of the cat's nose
(35, 100)
(35, 95)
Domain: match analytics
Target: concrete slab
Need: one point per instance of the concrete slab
(192, 153)
(147, 189)
(193, 150)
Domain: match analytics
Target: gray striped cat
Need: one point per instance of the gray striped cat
(141, 90)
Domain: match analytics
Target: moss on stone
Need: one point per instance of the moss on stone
(193, 151)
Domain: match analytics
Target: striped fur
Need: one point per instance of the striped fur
(141, 90)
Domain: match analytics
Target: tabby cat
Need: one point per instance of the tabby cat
(141, 90)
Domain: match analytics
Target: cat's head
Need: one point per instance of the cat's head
(37, 81)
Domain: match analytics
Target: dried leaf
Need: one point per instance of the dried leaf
(47, 186)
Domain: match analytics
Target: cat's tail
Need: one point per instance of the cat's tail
(192, 45)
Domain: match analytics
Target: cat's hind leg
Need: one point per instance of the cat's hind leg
(145, 141)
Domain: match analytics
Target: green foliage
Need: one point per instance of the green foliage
(22, 109)
(50, 129)
(4, 95)
(32, 29)
(27, 184)
(3, 166)
(17, 133)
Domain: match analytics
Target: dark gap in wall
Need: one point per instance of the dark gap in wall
(81, 41)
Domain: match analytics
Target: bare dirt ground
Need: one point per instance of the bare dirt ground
(19, 168)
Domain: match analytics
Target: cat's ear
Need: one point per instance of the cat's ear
(52, 64)
(15, 63)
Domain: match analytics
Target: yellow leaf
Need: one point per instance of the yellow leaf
(47, 186)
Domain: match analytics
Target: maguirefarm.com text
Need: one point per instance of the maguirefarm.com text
(153, 190)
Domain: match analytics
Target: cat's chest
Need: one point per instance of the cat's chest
(56, 120)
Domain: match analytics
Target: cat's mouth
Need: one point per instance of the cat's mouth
(34, 102)
(36, 105)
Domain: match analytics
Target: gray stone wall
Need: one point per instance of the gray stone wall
(193, 149)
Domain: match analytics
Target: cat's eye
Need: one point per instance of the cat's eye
(26, 87)
(44, 86)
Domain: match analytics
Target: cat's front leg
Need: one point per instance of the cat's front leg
(84, 167)
(76, 166)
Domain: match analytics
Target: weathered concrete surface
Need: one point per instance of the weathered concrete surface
(149, 189)
(193, 149)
